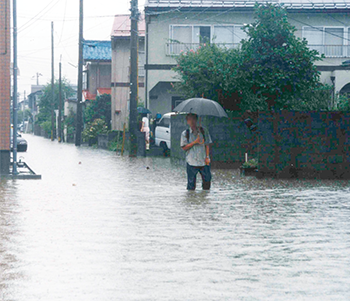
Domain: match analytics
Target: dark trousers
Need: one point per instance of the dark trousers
(192, 175)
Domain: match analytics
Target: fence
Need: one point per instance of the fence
(231, 140)
(304, 144)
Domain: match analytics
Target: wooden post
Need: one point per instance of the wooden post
(60, 105)
(52, 84)
(123, 145)
(79, 121)
(133, 77)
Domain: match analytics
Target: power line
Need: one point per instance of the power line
(33, 20)
(318, 28)
(64, 19)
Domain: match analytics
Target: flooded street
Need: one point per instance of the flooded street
(114, 228)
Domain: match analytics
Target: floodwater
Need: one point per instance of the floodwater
(114, 228)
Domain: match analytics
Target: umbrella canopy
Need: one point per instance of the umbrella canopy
(201, 107)
(142, 110)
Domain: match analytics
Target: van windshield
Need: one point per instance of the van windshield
(165, 122)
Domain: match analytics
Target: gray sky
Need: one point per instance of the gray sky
(34, 37)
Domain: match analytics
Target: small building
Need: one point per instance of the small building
(121, 69)
(97, 68)
(70, 103)
(34, 98)
(174, 26)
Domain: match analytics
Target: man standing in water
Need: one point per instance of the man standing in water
(195, 141)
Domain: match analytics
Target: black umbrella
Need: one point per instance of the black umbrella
(201, 107)
(142, 110)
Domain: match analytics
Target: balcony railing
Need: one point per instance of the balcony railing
(178, 48)
(330, 51)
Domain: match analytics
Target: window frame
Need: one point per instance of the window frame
(345, 33)
(212, 27)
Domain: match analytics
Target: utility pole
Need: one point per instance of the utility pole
(133, 77)
(60, 104)
(14, 104)
(52, 85)
(79, 121)
(37, 78)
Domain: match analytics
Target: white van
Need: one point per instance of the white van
(162, 133)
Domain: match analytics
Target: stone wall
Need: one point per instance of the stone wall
(304, 144)
(103, 140)
(231, 140)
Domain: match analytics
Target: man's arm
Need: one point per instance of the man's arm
(190, 145)
(207, 152)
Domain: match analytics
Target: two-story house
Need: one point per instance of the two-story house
(97, 68)
(173, 26)
(120, 85)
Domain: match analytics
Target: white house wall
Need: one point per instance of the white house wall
(159, 34)
(121, 81)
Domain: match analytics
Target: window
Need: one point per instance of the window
(85, 80)
(326, 40)
(313, 35)
(165, 122)
(201, 34)
(191, 36)
(232, 34)
(175, 101)
(183, 34)
(141, 63)
(223, 34)
(333, 39)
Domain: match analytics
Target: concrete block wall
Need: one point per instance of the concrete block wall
(231, 140)
(304, 144)
(5, 86)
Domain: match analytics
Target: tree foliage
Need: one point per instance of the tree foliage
(100, 108)
(46, 104)
(25, 115)
(94, 128)
(211, 72)
(272, 69)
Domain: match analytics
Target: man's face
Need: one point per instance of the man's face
(191, 121)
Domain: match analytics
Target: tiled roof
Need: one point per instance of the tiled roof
(89, 96)
(289, 4)
(101, 91)
(97, 50)
(122, 24)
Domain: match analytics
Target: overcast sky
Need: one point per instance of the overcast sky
(34, 34)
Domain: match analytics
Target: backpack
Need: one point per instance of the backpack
(188, 134)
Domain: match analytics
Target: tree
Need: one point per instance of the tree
(277, 66)
(46, 99)
(272, 69)
(210, 72)
(100, 108)
(25, 115)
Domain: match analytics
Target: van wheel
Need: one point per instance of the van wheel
(166, 150)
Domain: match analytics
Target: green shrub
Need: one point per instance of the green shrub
(46, 126)
(116, 144)
(252, 163)
(95, 128)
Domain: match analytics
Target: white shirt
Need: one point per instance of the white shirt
(196, 155)
(145, 122)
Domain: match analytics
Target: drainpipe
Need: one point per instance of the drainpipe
(6, 5)
(146, 81)
(333, 92)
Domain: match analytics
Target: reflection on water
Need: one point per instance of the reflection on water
(102, 227)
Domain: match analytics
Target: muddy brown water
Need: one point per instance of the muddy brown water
(112, 229)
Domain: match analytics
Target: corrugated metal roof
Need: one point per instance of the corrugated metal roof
(290, 4)
(97, 50)
(122, 26)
